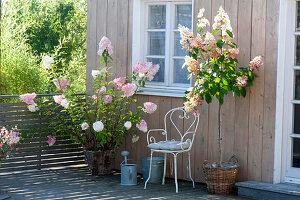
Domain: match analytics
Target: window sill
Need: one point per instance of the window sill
(163, 91)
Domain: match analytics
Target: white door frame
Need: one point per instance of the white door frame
(284, 92)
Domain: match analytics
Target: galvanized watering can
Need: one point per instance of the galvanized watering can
(128, 171)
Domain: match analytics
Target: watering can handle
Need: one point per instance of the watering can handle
(124, 161)
(130, 171)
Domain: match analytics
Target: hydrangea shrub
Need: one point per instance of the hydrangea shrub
(107, 114)
(8, 140)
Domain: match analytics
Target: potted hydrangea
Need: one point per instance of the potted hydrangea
(101, 119)
(212, 59)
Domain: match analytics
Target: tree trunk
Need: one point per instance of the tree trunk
(220, 135)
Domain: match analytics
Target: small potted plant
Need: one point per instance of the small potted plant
(100, 120)
(212, 59)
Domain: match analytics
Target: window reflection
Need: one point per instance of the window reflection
(296, 152)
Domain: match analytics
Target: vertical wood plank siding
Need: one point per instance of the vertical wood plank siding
(248, 124)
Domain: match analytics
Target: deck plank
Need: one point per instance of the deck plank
(77, 183)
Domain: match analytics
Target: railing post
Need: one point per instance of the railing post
(39, 152)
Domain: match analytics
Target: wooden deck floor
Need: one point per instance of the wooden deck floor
(77, 183)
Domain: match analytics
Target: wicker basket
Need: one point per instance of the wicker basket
(220, 180)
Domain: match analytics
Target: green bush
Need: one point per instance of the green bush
(33, 28)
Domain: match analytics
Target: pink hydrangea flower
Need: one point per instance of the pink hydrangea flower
(28, 98)
(51, 140)
(118, 82)
(256, 63)
(146, 69)
(194, 100)
(84, 126)
(188, 107)
(149, 107)
(104, 44)
(234, 53)
(61, 84)
(58, 98)
(107, 99)
(241, 81)
(141, 67)
(95, 97)
(101, 90)
(152, 71)
(192, 65)
(129, 89)
(195, 43)
(14, 137)
(142, 126)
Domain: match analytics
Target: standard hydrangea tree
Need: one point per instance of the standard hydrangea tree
(212, 59)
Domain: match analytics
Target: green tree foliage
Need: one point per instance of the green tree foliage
(33, 28)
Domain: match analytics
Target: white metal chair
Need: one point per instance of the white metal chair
(172, 146)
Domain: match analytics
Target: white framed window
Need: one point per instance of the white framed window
(287, 132)
(156, 39)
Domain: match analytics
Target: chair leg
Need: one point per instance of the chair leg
(190, 170)
(165, 166)
(149, 171)
(175, 173)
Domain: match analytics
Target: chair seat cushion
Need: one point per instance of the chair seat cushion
(169, 145)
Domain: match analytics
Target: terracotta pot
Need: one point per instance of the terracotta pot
(99, 163)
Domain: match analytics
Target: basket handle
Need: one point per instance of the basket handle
(233, 159)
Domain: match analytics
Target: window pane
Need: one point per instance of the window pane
(297, 85)
(156, 43)
(184, 15)
(180, 75)
(297, 50)
(296, 152)
(298, 16)
(160, 76)
(297, 119)
(178, 51)
(157, 18)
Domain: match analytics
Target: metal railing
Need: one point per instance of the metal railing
(34, 152)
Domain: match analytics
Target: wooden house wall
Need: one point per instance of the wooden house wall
(248, 124)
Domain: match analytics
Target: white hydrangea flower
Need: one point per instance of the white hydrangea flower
(127, 125)
(98, 126)
(103, 89)
(64, 103)
(203, 23)
(95, 73)
(222, 22)
(47, 61)
(103, 71)
(201, 12)
(135, 139)
(33, 107)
